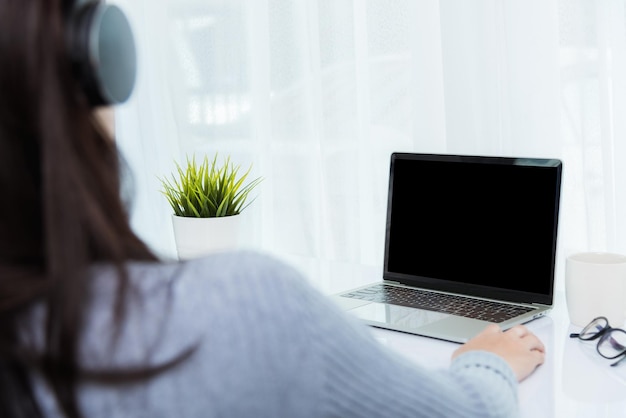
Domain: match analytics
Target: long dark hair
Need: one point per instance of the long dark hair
(60, 209)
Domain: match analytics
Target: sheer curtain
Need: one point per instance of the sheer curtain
(317, 94)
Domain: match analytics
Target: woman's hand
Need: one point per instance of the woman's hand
(517, 346)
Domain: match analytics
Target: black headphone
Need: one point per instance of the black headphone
(102, 51)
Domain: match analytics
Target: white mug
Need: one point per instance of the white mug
(595, 285)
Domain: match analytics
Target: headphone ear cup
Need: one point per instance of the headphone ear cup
(102, 51)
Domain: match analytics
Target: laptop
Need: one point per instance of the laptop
(469, 240)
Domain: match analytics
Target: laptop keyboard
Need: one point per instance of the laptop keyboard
(439, 302)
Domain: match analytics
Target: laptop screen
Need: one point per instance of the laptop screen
(485, 226)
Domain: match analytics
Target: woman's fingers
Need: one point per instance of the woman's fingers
(530, 339)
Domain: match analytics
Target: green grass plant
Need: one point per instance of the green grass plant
(208, 189)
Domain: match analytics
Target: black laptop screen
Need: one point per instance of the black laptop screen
(481, 225)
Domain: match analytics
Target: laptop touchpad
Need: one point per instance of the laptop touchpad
(397, 315)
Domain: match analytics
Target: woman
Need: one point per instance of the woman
(93, 325)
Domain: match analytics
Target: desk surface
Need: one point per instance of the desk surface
(573, 382)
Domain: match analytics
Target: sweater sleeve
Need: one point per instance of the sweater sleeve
(363, 378)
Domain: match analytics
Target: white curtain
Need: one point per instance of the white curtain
(316, 94)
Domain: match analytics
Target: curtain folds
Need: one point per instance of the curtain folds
(315, 95)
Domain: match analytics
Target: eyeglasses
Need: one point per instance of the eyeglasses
(611, 343)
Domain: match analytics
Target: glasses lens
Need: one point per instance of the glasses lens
(593, 328)
(612, 344)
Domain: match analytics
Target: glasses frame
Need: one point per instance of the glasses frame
(602, 335)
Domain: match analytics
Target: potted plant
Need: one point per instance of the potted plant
(207, 199)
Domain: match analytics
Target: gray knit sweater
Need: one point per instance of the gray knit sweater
(269, 346)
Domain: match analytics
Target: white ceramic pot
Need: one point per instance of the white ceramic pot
(197, 237)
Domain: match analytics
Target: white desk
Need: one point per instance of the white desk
(573, 382)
